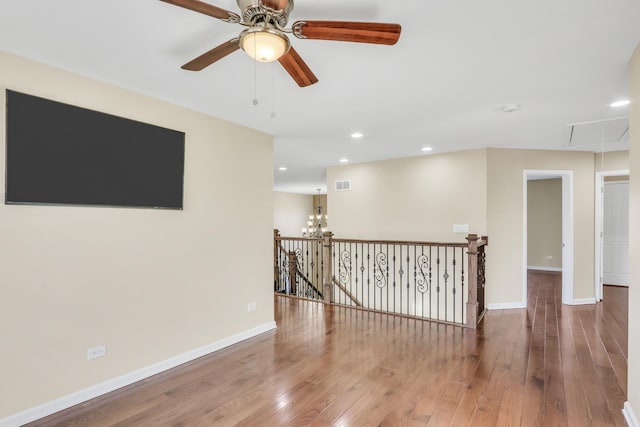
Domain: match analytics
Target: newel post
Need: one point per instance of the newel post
(327, 270)
(276, 274)
(293, 270)
(472, 300)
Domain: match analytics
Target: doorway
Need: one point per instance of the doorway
(611, 230)
(567, 229)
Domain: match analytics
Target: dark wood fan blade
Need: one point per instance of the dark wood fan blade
(297, 68)
(361, 32)
(276, 4)
(212, 56)
(206, 8)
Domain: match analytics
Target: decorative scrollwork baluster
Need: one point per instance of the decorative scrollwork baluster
(345, 272)
(424, 274)
(379, 276)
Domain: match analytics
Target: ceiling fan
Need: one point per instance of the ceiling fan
(265, 38)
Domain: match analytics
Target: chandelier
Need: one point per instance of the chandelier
(316, 225)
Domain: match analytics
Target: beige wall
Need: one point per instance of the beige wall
(504, 212)
(611, 161)
(544, 223)
(421, 198)
(418, 198)
(290, 212)
(150, 284)
(634, 230)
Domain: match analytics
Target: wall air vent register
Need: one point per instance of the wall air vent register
(343, 185)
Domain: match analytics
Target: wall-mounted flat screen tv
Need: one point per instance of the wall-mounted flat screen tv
(66, 155)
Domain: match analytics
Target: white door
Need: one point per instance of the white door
(615, 233)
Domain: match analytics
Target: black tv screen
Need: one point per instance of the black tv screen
(61, 154)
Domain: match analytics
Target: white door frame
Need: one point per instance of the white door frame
(567, 230)
(599, 220)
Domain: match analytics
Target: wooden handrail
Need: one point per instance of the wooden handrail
(402, 242)
(297, 239)
(380, 242)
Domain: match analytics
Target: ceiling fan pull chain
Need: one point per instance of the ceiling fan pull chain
(273, 92)
(255, 77)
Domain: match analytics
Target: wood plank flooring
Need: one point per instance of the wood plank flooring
(548, 365)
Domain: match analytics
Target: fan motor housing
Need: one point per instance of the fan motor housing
(255, 11)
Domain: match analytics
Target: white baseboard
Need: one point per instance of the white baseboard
(583, 301)
(629, 415)
(505, 305)
(533, 267)
(94, 391)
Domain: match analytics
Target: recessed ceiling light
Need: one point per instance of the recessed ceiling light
(426, 149)
(621, 103)
(357, 135)
(344, 160)
(282, 168)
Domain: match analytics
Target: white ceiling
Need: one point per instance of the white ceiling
(443, 85)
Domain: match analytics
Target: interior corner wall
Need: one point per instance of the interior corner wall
(417, 198)
(290, 212)
(505, 219)
(544, 223)
(149, 284)
(633, 374)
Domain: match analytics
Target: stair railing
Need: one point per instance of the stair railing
(442, 282)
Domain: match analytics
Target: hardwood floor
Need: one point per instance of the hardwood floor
(548, 365)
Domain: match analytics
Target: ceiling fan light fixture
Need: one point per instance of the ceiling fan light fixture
(264, 44)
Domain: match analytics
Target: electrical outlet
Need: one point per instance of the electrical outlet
(97, 351)
(251, 306)
(460, 228)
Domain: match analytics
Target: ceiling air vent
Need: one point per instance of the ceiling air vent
(343, 185)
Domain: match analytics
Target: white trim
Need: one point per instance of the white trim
(80, 396)
(599, 224)
(525, 243)
(567, 238)
(629, 415)
(583, 301)
(539, 268)
(567, 230)
(505, 306)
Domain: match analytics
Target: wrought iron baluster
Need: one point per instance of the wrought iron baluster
(387, 251)
(320, 267)
(453, 299)
(438, 284)
(394, 278)
(415, 280)
(446, 280)
(430, 283)
(369, 276)
(408, 278)
(340, 272)
(423, 280)
(355, 272)
(462, 292)
(318, 264)
(361, 296)
(334, 249)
